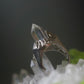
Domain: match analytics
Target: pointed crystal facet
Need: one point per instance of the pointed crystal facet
(38, 33)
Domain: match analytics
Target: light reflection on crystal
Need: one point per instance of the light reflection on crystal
(38, 33)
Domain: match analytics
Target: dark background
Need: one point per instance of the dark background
(62, 17)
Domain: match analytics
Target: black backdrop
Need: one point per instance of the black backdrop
(62, 17)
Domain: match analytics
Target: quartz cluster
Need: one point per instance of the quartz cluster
(64, 74)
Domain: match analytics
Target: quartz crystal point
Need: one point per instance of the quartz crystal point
(38, 33)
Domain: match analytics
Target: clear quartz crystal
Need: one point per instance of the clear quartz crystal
(38, 33)
(47, 64)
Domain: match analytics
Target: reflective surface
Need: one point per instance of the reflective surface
(38, 33)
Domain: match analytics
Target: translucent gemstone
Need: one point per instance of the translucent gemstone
(47, 64)
(38, 33)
